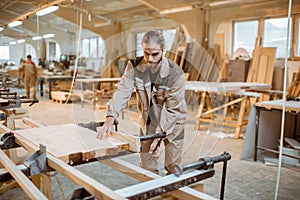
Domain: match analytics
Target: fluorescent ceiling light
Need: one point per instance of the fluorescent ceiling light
(13, 42)
(1, 28)
(47, 10)
(175, 10)
(20, 41)
(102, 24)
(221, 3)
(15, 23)
(49, 35)
(36, 37)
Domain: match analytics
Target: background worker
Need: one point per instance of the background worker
(30, 77)
(159, 84)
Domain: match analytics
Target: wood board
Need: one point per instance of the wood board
(69, 141)
(262, 66)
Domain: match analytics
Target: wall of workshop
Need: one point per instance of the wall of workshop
(192, 23)
(17, 52)
(67, 42)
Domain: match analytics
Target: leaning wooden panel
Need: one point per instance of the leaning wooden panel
(64, 141)
(262, 66)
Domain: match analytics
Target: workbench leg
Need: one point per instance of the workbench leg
(226, 108)
(240, 118)
(36, 180)
(46, 185)
(200, 110)
(43, 181)
(208, 105)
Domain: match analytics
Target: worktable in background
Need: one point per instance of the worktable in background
(46, 78)
(264, 127)
(83, 88)
(227, 89)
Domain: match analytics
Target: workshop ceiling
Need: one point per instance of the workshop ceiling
(97, 15)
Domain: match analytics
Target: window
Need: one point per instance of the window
(139, 50)
(275, 35)
(93, 47)
(85, 47)
(101, 51)
(4, 53)
(245, 34)
(29, 49)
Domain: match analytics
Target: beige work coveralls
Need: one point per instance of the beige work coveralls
(30, 78)
(167, 111)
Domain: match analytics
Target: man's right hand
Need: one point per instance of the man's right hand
(107, 127)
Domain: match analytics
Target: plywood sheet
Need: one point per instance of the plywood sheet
(69, 142)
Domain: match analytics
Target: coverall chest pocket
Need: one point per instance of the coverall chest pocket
(161, 94)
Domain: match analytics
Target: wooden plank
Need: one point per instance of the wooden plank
(294, 143)
(180, 55)
(22, 180)
(132, 140)
(161, 182)
(100, 191)
(145, 175)
(8, 186)
(32, 123)
(224, 105)
(65, 140)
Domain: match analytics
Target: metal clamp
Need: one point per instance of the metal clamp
(8, 141)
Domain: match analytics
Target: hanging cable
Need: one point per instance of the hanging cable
(283, 99)
(79, 30)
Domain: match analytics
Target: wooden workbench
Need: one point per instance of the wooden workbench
(69, 142)
(264, 128)
(224, 88)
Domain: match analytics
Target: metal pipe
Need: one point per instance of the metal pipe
(203, 163)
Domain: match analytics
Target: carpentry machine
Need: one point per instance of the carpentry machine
(46, 159)
(10, 104)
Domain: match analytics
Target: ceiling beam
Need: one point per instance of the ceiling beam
(73, 16)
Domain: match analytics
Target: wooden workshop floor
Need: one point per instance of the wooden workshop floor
(245, 179)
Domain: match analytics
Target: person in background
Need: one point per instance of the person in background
(20, 72)
(42, 63)
(159, 84)
(30, 77)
